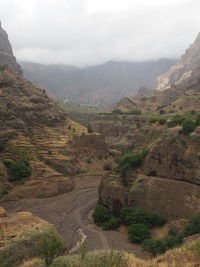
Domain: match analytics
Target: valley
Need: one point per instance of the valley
(70, 213)
(118, 188)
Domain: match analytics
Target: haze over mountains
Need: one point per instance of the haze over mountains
(98, 86)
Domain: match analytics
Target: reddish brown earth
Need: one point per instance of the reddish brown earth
(71, 215)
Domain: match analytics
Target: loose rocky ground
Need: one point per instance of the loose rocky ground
(71, 215)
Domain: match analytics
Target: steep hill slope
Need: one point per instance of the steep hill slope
(6, 53)
(37, 130)
(98, 86)
(187, 68)
(175, 90)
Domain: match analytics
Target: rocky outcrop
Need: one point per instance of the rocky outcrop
(187, 68)
(173, 199)
(176, 158)
(6, 53)
(168, 183)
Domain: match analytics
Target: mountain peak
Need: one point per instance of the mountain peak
(6, 53)
(187, 67)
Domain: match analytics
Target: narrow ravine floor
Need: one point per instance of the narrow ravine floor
(69, 214)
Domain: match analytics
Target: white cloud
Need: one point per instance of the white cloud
(91, 31)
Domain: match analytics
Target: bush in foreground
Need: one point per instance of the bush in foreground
(160, 246)
(138, 233)
(93, 259)
(193, 226)
(50, 248)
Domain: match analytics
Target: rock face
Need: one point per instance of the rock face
(176, 158)
(168, 183)
(168, 197)
(6, 53)
(186, 68)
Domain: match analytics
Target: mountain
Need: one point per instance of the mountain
(99, 86)
(37, 138)
(187, 68)
(6, 53)
(175, 90)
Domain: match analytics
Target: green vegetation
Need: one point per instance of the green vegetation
(3, 66)
(50, 248)
(188, 126)
(160, 246)
(162, 121)
(18, 170)
(112, 224)
(24, 248)
(101, 214)
(177, 120)
(130, 161)
(93, 259)
(117, 112)
(89, 129)
(129, 216)
(193, 226)
(137, 233)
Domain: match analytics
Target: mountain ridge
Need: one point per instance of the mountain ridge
(99, 86)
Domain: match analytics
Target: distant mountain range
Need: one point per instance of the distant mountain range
(96, 86)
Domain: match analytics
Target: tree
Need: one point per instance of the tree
(138, 233)
(19, 170)
(101, 214)
(50, 248)
(188, 126)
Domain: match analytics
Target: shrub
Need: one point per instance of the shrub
(3, 66)
(135, 112)
(178, 120)
(162, 121)
(130, 161)
(93, 259)
(89, 129)
(188, 126)
(162, 111)
(130, 216)
(50, 248)
(117, 111)
(160, 246)
(153, 120)
(19, 170)
(193, 226)
(198, 120)
(101, 214)
(138, 233)
(112, 224)
(8, 163)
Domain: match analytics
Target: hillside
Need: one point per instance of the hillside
(98, 86)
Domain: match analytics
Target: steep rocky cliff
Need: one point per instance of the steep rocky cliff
(188, 67)
(177, 89)
(6, 53)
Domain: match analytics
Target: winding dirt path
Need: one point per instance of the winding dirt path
(69, 213)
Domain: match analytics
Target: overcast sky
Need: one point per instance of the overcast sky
(85, 32)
